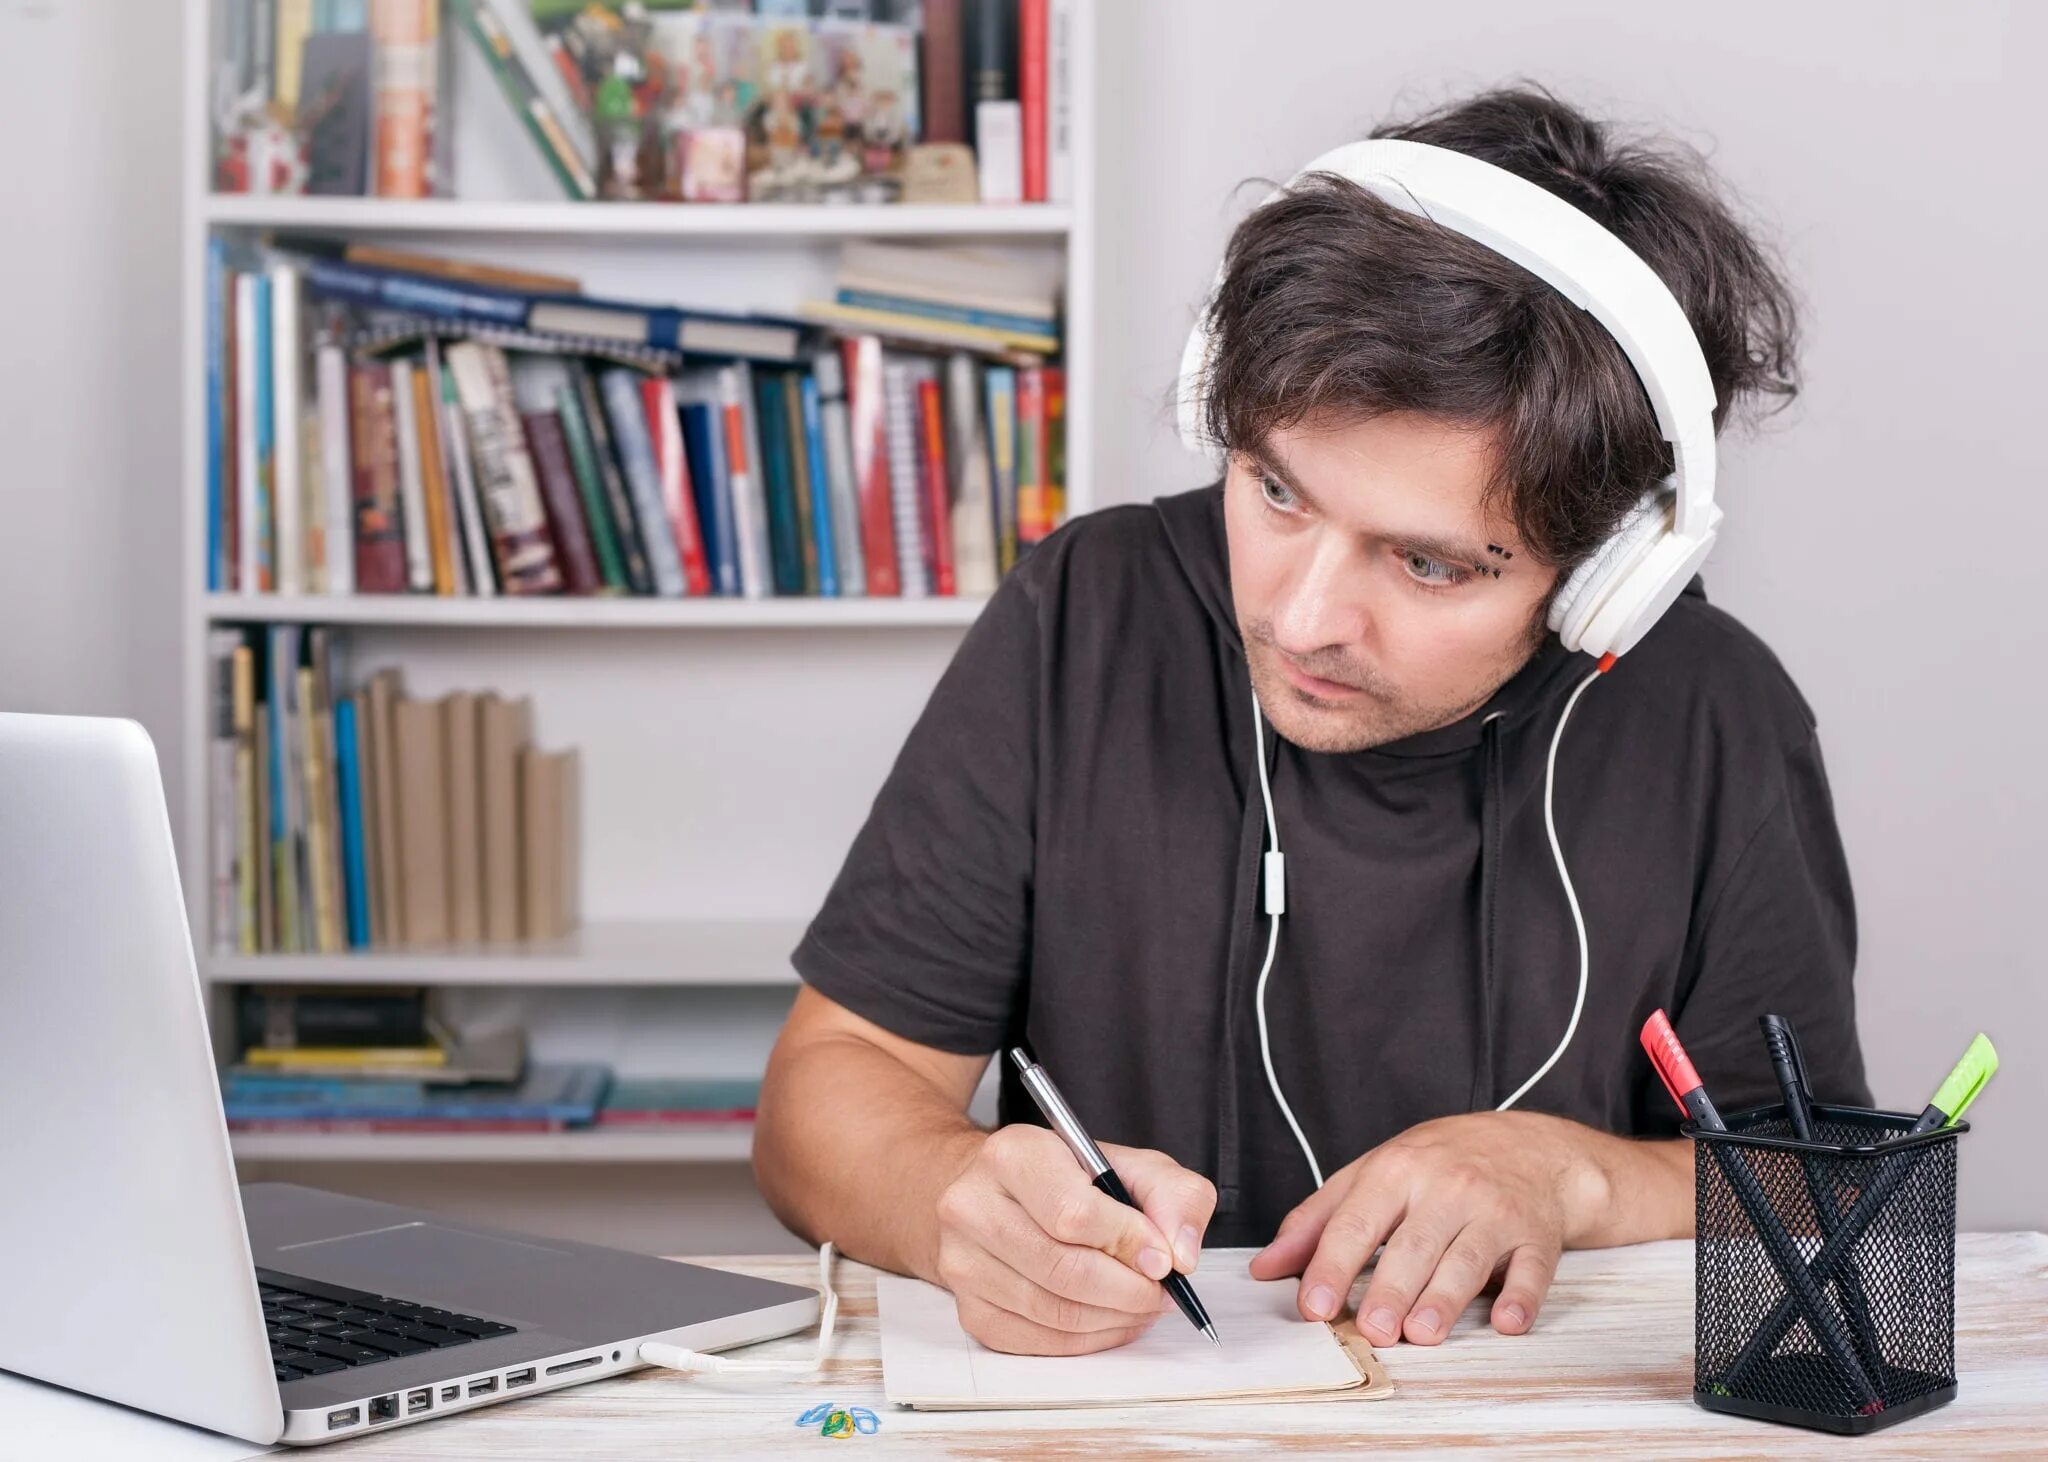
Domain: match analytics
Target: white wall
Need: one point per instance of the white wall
(1883, 537)
(1886, 141)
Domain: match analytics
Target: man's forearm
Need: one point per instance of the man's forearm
(1638, 1190)
(854, 1147)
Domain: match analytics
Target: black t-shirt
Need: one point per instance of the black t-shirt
(1067, 854)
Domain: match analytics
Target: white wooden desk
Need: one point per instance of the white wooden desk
(1607, 1372)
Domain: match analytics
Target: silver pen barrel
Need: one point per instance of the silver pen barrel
(1059, 1114)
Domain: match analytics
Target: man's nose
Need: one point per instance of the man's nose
(1323, 603)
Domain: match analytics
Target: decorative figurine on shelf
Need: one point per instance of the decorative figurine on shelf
(258, 152)
(618, 133)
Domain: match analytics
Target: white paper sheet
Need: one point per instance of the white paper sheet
(928, 1361)
(52, 1424)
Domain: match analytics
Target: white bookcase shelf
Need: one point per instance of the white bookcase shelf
(711, 1142)
(618, 953)
(553, 612)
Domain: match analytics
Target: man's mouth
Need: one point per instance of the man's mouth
(1315, 685)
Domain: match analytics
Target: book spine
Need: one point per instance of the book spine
(973, 527)
(785, 551)
(819, 485)
(1055, 378)
(379, 537)
(337, 468)
(1059, 103)
(419, 548)
(248, 466)
(550, 454)
(231, 533)
(800, 477)
(618, 499)
(441, 526)
(292, 23)
(906, 487)
(665, 431)
(944, 110)
(999, 387)
(285, 399)
(404, 66)
(828, 376)
(223, 842)
(459, 761)
(217, 416)
(749, 502)
(1039, 327)
(871, 464)
(1031, 505)
(628, 421)
(931, 425)
(313, 763)
(590, 487)
(432, 296)
(1000, 151)
(263, 570)
(480, 578)
(336, 931)
(284, 884)
(704, 438)
(511, 498)
(1031, 85)
(349, 771)
(248, 836)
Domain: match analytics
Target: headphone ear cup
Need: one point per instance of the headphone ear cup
(1194, 370)
(1592, 582)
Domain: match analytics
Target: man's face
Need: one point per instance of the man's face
(1376, 595)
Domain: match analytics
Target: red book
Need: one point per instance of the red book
(380, 534)
(871, 462)
(1031, 50)
(938, 495)
(672, 466)
(550, 452)
(1033, 515)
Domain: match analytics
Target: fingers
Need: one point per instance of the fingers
(1404, 1269)
(1530, 1270)
(1042, 1177)
(1461, 1273)
(1009, 1289)
(1179, 1202)
(1000, 1329)
(1068, 1270)
(1300, 1231)
(1359, 1225)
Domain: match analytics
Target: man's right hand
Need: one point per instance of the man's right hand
(1041, 1262)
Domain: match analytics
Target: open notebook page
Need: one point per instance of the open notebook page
(928, 1361)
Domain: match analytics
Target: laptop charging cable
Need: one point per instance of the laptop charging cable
(700, 1362)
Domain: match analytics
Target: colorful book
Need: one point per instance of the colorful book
(441, 524)
(1034, 519)
(869, 429)
(704, 440)
(597, 517)
(405, 37)
(628, 421)
(999, 389)
(818, 483)
(337, 470)
(743, 475)
(906, 481)
(223, 831)
(217, 414)
(973, 522)
(260, 562)
(785, 546)
(550, 451)
(1055, 392)
(1032, 27)
(349, 771)
(287, 495)
(800, 476)
(931, 426)
(662, 1101)
(828, 380)
(378, 527)
(565, 1094)
(671, 462)
(522, 547)
(480, 576)
(618, 497)
(412, 495)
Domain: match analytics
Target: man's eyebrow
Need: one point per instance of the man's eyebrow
(1454, 551)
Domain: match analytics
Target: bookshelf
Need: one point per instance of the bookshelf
(724, 773)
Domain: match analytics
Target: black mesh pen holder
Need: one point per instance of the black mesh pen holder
(1826, 1269)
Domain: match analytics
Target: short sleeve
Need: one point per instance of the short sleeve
(926, 931)
(1778, 937)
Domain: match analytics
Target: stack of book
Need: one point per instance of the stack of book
(354, 819)
(440, 429)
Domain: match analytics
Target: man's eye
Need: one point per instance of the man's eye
(1278, 494)
(1426, 570)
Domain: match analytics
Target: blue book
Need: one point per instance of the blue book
(785, 545)
(820, 488)
(217, 490)
(266, 446)
(705, 443)
(349, 774)
(567, 1094)
(264, 1086)
(897, 304)
(620, 388)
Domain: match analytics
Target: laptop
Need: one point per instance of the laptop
(133, 1266)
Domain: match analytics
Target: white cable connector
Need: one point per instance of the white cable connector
(704, 1363)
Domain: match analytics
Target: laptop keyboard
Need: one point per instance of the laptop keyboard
(317, 1328)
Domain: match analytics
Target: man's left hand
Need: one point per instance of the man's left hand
(1461, 1199)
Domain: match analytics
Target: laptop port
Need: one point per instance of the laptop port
(519, 1378)
(484, 1387)
(383, 1408)
(574, 1365)
(347, 1416)
(451, 1393)
(418, 1401)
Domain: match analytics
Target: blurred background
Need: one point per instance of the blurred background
(662, 769)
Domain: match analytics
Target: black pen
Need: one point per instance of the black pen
(1062, 1120)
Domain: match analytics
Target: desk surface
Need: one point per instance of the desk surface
(1608, 1371)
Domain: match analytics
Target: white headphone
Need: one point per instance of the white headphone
(1610, 602)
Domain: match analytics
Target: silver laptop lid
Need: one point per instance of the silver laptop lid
(123, 1254)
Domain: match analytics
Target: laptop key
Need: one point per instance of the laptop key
(431, 1335)
(382, 1340)
(314, 1324)
(316, 1365)
(307, 1306)
(357, 1315)
(342, 1350)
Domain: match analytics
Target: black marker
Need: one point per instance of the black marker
(1061, 1118)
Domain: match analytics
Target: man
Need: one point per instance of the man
(1422, 441)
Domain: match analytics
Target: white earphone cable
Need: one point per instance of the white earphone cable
(699, 1362)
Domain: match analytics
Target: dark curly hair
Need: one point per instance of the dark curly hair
(1335, 304)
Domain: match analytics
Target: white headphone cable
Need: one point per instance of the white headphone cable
(681, 1358)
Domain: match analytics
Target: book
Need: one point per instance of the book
(274, 1021)
(627, 417)
(590, 488)
(999, 389)
(671, 463)
(742, 474)
(503, 729)
(422, 821)
(703, 415)
(973, 513)
(281, 664)
(549, 129)
(906, 483)
(947, 312)
(378, 526)
(404, 35)
(828, 383)
(348, 765)
(480, 575)
(618, 498)
(989, 34)
(548, 825)
(343, 1058)
(462, 773)
(800, 480)
(938, 520)
(1054, 380)
(337, 469)
(1059, 103)
(558, 1094)
(412, 497)
(224, 849)
(942, 73)
(334, 114)
(248, 844)
(978, 281)
(291, 22)
(252, 417)
(404, 261)
(441, 524)
(999, 150)
(384, 696)
(869, 428)
(1033, 21)
(784, 541)
(667, 1101)
(530, 48)
(537, 383)
(322, 931)
(218, 413)
(1033, 510)
(522, 548)
(818, 483)
(922, 329)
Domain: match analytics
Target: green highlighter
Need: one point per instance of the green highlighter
(1961, 1086)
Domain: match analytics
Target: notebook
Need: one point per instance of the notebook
(1268, 1352)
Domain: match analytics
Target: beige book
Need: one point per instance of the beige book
(266, 914)
(548, 852)
(461, 761)
(422, 821)
(503, 730)
(313, 757)
(390, 876)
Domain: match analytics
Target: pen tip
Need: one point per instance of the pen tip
(1210, 1331)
